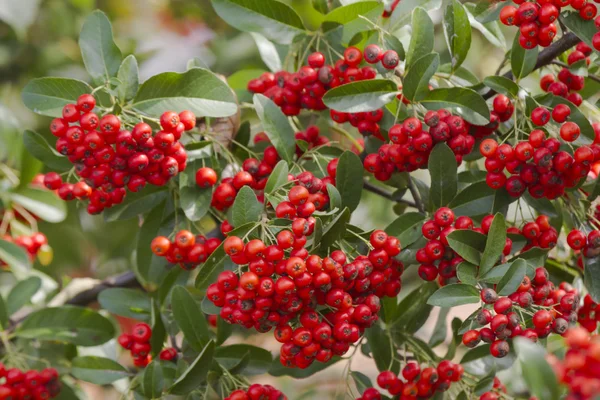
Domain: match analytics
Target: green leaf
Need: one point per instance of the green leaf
(137, 203)
(413, 310)
(130, 303)
(276, 126)
(22, 293)
(457, 31)
(592, 277)
(350, 12)
(214, 264)
(444, 182)
(77, 325)
(197, 90)
(361, 96)
(195, 201)
(152, 380)
(273, 19)
(48, 96)
(278, 177)
(468, 244)
(407, 228)
(246, 207)
(587, 131)
(189, 318)
(485, 384)
(150, 268)
(537, 373)
(259, 359)
(42, 203)
(361, 381)
(279, 370)
(3, 315)
(97, 370)
(381, 348)
(351, 19)
(440, 330)
(159, 331)
(349, 179)
(416, 83)
(15, 257)
(502, 85)
(534, 257)
(467, 273)
(196, 373)
(335, 229)
(522, 61)
(465, 102)
(335, 199)
(224, 330)
(512, 279)
(422, 37)
(584, 29)
(38, 147)
(494, 246)
(268, 52)
(455, 294)
(489, 29)
(401, 14)
(128, 75)
(101, 55)
(479, 199)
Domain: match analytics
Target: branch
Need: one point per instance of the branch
(415, 194)
(546, 56)
(387, 194)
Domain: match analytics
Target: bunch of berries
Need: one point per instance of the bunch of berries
(589, 244)
(418, 383)
(552, 309)
(312, 137)
(30, 384)
(110, 159)
(31, 244)
(566, 84)
(536, 19)
(138, 343)
(580, 368)
(498, 389)
(319, 306)
(588, 315)
(257, 392)
(538, 164)
(187, 250)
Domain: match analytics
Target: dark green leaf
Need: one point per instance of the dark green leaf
(189, 318)
(444, 182)
(38, 147)
(584, 29)
(198, 90)
(485, 384)
(279, 370)
(512, 279)
(3, 315)
(416, 84)
(407, 228)
(455, 294)
(478, 199)
(224, 330)
(421, 39)
(130, 303)
(592, 277)
(335, 199)
(534, 257)
(211, 267)
(361, 96)
(276, 126)
(349, 179)
(273, 19)
(137, 203)
(522, 61)
(278, 177)
(467, 273)
(494, 246)
(381, 348)
(361, 381)
(468, 244)
(246, 207)
(77, 325)
(259, 359)
(538, 374)
(48, 96)
(457, 31)
(128, 77)
(440, 330)
(335, 229)
(413, 310)
(159, 331)
(15, 257)
(152, 380)
(195, 374)
(97, 370)
(489, 29)
(150, 268)
(101, 55)
(465, 102)
(502, 85)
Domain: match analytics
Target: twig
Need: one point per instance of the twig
(387, 194)
(415, 193)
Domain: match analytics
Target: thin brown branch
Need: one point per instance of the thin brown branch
(387, 194)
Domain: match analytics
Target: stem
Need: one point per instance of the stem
(386, 194)
(416, 195)
(349, 137)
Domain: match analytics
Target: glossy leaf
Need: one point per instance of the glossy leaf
(407, 228)
(381, 348)
(42, 203)
(268, 52)
(259, 359)
(401, 14)
(48, 96)
(479, 199)
(457, 31)
(416, 84)
(3, 315)
(440, 330)
(468, 244)
(15, 257)
(214, 264)
(188, 316)
(442, 168)
(130, 303)
(335, 229)
(592, 277)
(361, 381)
(128, 75)
(97, 370)
(22, 293)
(467, 273)
(137, 203)
(522, 61)
(422, 37)
(38, 147)
(278, 177)
(512, 279)
(494, 246)
(196, 373)
(413, 310)
(361, 96)
(537, 373)
(502, 85)
(152, 380)
(349, 179)
(465, 102)
(246, 207)
(335, 199)
(276, 126)
(149, 268)
(584, 29)
(455, 294)
(197, 90)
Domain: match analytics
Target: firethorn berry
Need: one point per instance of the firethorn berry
(569, 131)
(141, 332)
(576, 239)
(168, 354)
(372, 54)
(390, 59)
(160, 245)
(489, 296)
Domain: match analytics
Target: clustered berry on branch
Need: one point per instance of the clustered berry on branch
(18, 384)
(186, 250)
(138, 343)
(31, 244)
(257, 392)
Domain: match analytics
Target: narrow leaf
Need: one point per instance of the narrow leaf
(444, 182)
(276, 126)
(453, 295)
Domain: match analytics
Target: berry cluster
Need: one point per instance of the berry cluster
(312, 137)
(438, 259)
(588, 315)
(305, 89)
(31, 244)
(579, 369)
(186, 250)
(566, 84)
(138, 343)
(319, 306)
(257, 392)
(589, 244)
(110, 159)
(30, 384)
(498, 389)
(552, 310)
(536, 19)
(419, 383)
(538, 164)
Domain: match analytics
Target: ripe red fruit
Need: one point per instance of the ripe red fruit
(390, 59)
(206, 177)
(499, 348)
(540, 116)
(316, 59)
(569, 131)
(576, 239)
(141, 332)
